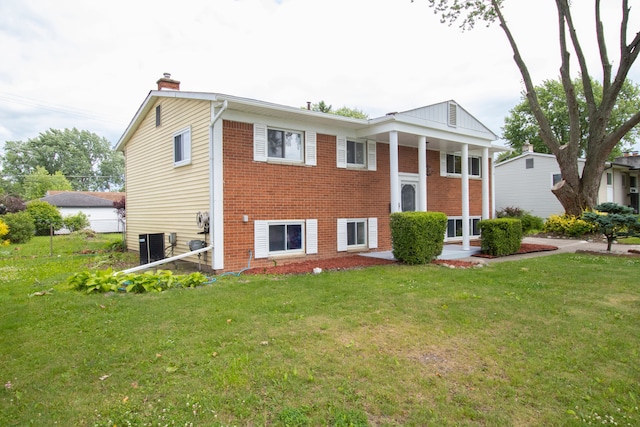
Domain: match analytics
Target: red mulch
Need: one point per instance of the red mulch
(357, 261)
(525, 248)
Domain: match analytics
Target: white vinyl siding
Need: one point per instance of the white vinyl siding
(273, 238)
(303, 152)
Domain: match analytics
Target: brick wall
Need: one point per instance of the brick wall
(268, 191)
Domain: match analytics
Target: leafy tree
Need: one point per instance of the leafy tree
(84, 158)
(521, 126)
(44, 216)
(344, 111)
(40, 181)
(612, 219)
(576, 192)
(21, 226)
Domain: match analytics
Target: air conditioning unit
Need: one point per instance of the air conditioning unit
(633, 189)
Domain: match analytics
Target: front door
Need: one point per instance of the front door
(408, 192)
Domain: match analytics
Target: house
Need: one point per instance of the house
(281, 184)
(97, 206)
(525, 182)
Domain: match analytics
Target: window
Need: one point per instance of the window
(454, 227)
(355, 153)
(285, 237)
(633, 181)
(528, 163)
(556, 178)
(357, 233)
(454, 165)
(284, 144)
(182, 147)
(609, 178)
(157, 115)
(274, 238)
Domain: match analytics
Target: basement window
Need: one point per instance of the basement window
(454, 227)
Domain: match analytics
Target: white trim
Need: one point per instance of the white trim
(341, 151)
(342, 235)
(310, 139)
(185, 135)
(371, 155)
(372, 232)
(312, 236)
(259, 142)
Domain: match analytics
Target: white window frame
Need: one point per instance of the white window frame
(261, 145)
(553, 176)
(185, 152)
(459, 218)
(308, 243)
(444, 165)
(356, 143)
(370, 234)
(369, 153)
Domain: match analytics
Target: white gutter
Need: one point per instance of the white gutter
(216, 224)
(163, 261)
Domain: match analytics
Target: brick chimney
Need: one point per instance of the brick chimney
(167, 83)
(527, 148)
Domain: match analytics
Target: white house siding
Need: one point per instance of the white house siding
(101, 220)
(151, 176)
(528, 189)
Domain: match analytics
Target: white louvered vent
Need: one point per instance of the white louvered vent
(453, 114)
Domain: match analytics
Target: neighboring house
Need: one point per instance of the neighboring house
(525, 182)
(97, 206)
(283, 184)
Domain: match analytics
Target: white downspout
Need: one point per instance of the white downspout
(216, 211)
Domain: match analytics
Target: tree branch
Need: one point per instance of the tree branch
(614, 137)
(604, 57)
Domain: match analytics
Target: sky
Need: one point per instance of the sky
(90, 64)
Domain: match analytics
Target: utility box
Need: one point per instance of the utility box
(151, 247)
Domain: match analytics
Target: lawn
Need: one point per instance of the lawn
(552, 340)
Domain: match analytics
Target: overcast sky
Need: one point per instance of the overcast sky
(90, 64)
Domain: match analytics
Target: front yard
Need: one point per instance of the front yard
(546, 341)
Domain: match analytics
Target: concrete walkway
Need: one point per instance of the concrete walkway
(451, 252)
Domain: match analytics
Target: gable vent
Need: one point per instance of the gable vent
(453, 114)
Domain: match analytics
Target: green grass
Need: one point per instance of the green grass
(629, 240)
(546, 341)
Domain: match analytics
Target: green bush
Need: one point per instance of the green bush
(75, 222)
(418, 237)
(44, 215)
(102, 281)
(567, 225)
(530, 223)
(21, 227)
(501, 236)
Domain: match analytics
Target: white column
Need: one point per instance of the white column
(422, 174)
(465, 198)
(493, 189)
(485, 183)
(394, 178)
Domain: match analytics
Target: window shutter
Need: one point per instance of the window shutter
(342, 234)
(373, 233)
(261, 239)
(259, 142)
(341, 151)
(310, 148)
(312, 236)
(186, 139)
(371, 155)
(443, 164)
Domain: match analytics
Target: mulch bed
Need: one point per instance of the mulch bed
(525, 248)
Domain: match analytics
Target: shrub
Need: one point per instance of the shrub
(21, 227)
(530, 223)
(102, 281)
(4, 230)
(76, 222)
(44, 216)
(418, 237)
(612, 219)
(567, 225)
(501, 236)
